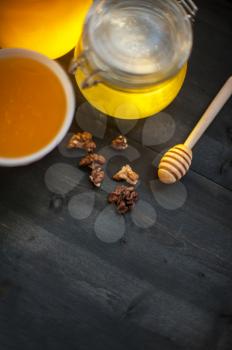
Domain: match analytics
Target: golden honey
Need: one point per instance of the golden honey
(132, 105)
(32, 106)
(51, 27)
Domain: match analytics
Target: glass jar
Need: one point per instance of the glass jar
(51, 27)
(132, 58)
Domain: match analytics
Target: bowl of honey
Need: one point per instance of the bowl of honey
(37, 104)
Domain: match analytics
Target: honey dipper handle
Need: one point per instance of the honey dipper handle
(210, 114)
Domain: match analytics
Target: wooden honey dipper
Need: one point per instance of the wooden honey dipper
(177, 161)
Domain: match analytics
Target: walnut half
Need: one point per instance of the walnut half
(92, 160)
(124, 198)
(127, 174)
(97, 176)
(82, 140)
(120, 143)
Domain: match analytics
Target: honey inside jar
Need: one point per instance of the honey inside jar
(51, 27)
(32, 106)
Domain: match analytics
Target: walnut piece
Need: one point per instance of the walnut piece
(120, 143)
(92, 160)
(82, 140)
(126, 173)
(124, 198)
(97, 176)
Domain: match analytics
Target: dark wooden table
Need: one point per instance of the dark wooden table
(75, 276)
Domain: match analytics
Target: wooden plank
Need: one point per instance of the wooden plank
(171, 281)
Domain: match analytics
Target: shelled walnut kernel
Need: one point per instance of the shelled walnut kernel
(124, 198)
(82, 140)
(127, 174)
(120, 143)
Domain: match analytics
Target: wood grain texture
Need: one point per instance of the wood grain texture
(167, 287)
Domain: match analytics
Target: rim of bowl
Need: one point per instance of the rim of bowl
(70, 98)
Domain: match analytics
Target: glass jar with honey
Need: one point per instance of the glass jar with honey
(132, 58)
(51, 27)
